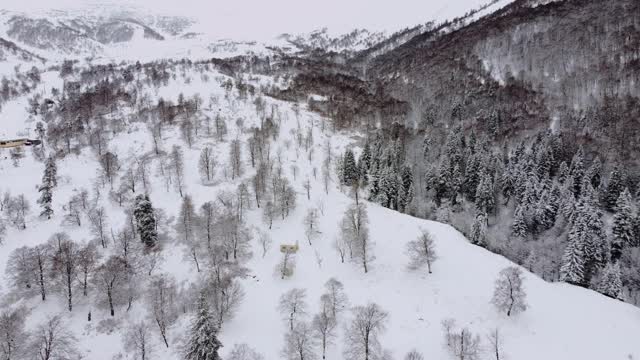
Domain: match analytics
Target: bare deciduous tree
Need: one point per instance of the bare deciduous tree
(186, 226)
(98, 220)
(311, 228)
(52, 340)
(161, 297)
(421, 251)
(207, 164)
(324, 324)
(299, 343)
(235, 158)
(17, 209)
(65, 265)
(414, 355)
(464, 345)
(447, 325)
(354, 229)
(265, 242)
(495, 340)
(13, 338)
(269, 213)
(110, 278)
(293, 305)
(110, 166)
(286, 266)
(88, 257)
(176, 165)
(137, 340)
(209, 212)
(336, 296)
(244, 352)
(509, 294)
(361, 340)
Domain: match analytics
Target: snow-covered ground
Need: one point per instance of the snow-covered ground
(562, 321)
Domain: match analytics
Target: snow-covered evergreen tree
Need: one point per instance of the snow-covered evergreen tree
(50, 172)
(349, 169)
(594, 174)
(364, 162)
(611, 283)
(623, 221)
(203, 343)
(577, 170)
(479, 230)
(405, 193)
(614, 187)
(519, 228)
(574, 261)
(49, 181)
(146, 220)
(563, 172)
(485, 201)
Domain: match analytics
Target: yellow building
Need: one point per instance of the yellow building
(288, 248)
(13, 143)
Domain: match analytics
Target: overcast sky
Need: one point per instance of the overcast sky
(261, 19)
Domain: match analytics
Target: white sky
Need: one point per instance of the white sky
(261, 19)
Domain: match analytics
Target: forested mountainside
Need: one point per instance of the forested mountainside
(575, 61)
(520, 128)
(526, 121)
(274, 200)
(172, 202)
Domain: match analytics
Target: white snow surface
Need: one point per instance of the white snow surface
(562, 321)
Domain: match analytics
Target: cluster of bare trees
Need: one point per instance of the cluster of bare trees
(305, 338)
(463, 344)
(59, 265)
(16, 209)
(354, 237)
(49, 340)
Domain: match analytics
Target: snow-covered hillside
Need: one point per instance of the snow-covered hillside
(561, 321)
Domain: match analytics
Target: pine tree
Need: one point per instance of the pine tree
(472, 178)
(146, 221)
(203, 343)
(563, 172)
(614, 188)
(45, 200)
(426, 146)
(49, 181)
(479, 230)
(455, 184)
(507, 183)
(386, 188)
(50, 172)
(623, 219)
(544, 162)
(405, 192)
(364, 162)
(572, 269)
(485, 201)
(594, 174)
(519, 228)
(349, 169)
(611, 283)
(577, 170)
(567, 200)
(442, 181)
(596, 246)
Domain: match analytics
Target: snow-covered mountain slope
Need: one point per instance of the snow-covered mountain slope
(358, 39)
(561, 322)
(12, 53)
